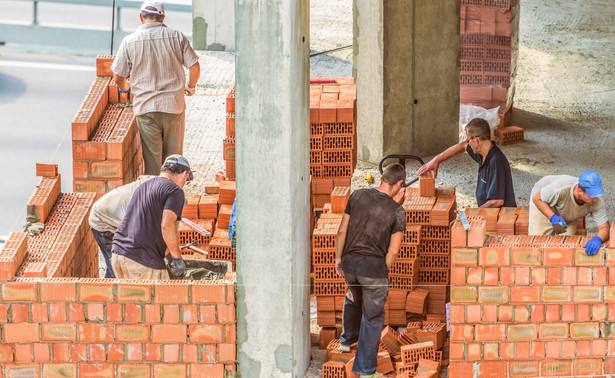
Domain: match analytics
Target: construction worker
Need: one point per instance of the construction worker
(153, 58)
(559, 201)
(149, 228)
(494, 187)
(106, 215)
(367, 245)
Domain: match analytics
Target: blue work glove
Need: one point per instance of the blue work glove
(593, 245)
(178, 266)
(557, 219)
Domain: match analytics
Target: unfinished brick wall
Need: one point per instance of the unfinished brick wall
(526, 306)
(74, 327)
(52, 325)
(106, 144)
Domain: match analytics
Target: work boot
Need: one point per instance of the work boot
(344, 348)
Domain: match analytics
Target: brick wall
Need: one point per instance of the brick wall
(107, 150)
(532, 306)
(73, 327)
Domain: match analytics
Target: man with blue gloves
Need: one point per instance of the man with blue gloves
(559, 201)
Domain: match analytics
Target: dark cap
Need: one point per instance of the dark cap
(179, 160)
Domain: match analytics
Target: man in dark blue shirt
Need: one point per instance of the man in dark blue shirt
(149, 227)
(494, 187)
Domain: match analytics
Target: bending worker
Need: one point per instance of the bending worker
(494, 187)
(559, 201)
(149, 228)
(106, 215)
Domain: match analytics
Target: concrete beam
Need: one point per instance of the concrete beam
(272, 166)
(406, 56)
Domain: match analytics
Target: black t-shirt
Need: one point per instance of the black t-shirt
(374, 217)
(139, 237)
(494, 177)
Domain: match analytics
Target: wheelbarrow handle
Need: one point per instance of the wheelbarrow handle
(402, 161)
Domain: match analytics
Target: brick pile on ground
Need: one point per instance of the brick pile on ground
(531, 306)
(106, 144)
(211, 211)
(411, 353)
(489, 46)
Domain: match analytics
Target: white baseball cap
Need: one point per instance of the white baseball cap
(153, 6)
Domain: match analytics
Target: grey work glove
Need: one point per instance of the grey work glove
(177, 267)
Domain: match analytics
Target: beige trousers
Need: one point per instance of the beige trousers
(162, 134)
(540, 225)
(130, 269)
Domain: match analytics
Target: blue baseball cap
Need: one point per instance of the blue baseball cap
(592, 183)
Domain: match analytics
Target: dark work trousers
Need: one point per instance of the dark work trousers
(363, 319)
(104, 240)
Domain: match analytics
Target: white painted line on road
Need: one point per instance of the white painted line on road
(48, 66)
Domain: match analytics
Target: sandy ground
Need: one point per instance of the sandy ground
(565, 83)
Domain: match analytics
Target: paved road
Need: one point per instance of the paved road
(39, 95)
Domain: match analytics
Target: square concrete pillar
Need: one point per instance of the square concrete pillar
(213, 25)
(273, 205)
(406, 65)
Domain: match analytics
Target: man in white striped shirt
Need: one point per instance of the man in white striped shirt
(150, 62)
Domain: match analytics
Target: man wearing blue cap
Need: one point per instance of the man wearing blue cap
(559, 201)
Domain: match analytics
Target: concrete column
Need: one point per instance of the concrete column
(213, 25)
(272, 129)
(406, 65)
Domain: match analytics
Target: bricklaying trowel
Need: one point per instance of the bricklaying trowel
(464, 220)
(559, 228)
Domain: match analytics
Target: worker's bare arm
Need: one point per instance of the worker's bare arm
(433, 164)
(340, 239)
(169, 232)
(544, 207)
(603, 231)
(493, 203)
(194, 72)
(393, 250)
(122, 82)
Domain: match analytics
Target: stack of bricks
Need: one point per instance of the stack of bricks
(508, 221)
(489, 45)
(106, 144)
(529, 308)
(70, 327)
(333, 147)
(398, 355)
(429, 213)
(229, 140)
(211, 212)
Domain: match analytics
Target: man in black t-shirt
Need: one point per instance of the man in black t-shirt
(149, 227)
(494, 187)
(367, 245)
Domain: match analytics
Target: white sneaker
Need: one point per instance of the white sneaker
(375, 375)
(344, 348)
